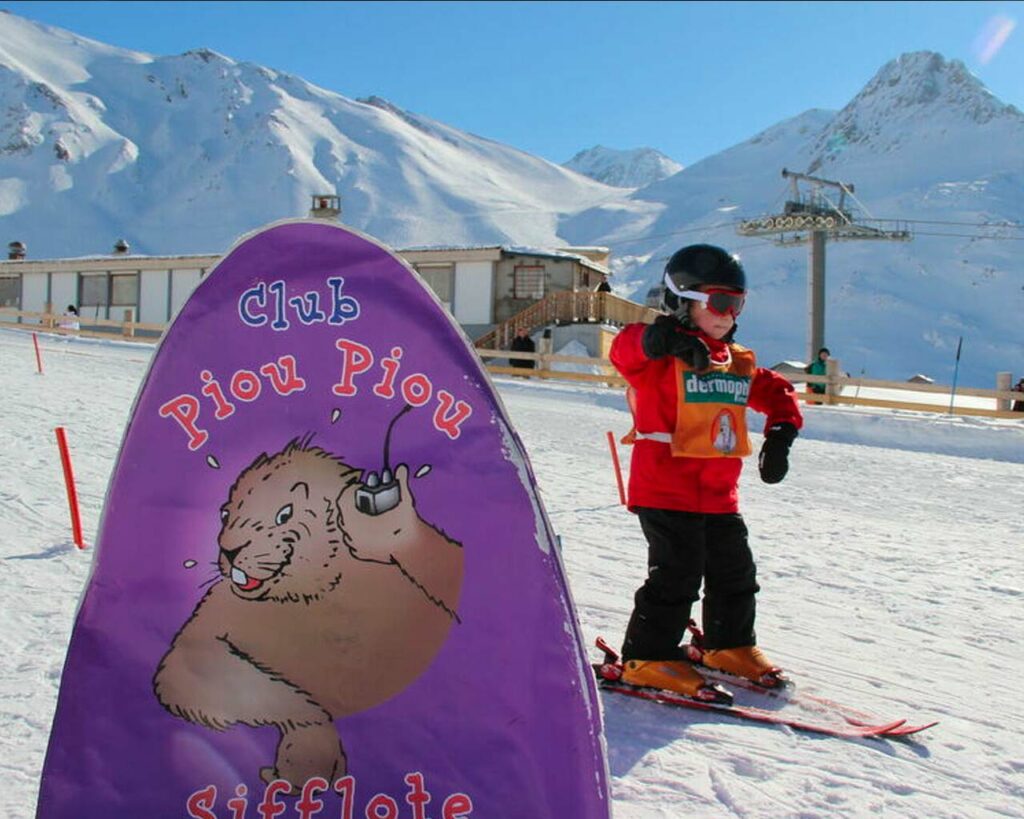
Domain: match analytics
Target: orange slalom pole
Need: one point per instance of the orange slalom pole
(39, 358)
(618, 468)
(69, 481)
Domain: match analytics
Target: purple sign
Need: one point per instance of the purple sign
(324, 583)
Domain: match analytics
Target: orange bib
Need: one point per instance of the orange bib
(711, 408)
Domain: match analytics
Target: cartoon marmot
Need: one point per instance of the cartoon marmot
(321, 609)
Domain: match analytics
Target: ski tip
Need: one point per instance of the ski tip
(910, 730)
(881, 731)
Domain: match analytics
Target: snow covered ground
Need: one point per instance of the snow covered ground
(890, 563)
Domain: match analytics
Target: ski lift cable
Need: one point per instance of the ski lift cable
(736, 222)
(971, 236)
(1017, 225)
(718, 225)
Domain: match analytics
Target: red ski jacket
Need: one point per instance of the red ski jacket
(659, 480)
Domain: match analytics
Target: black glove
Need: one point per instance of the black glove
(773, 461)
(667, 337)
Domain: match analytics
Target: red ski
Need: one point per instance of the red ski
(695, 650)
(609, 675)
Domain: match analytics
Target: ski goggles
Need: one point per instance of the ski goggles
(719, 300)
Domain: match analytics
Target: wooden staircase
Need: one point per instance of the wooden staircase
(567, 307)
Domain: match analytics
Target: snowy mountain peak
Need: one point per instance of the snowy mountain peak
(926, 79)
(918, 99)
(623, 169)
(208, 56)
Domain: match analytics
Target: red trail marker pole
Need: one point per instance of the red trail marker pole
(69, 482)
(618, 468)
(39, 358)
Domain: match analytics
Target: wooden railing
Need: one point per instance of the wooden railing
(606, 375)
(562, 307)
(832, 396)
(88, 327)
(566, 307)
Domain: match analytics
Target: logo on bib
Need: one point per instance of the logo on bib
(716, 388)
(723, 432)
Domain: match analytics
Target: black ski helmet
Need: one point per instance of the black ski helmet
(696, 265)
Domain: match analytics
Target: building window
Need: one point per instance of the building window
(439, 278)
(114, 289)
(528, 281)
(10, 291)
(93, 290)
(124, 289)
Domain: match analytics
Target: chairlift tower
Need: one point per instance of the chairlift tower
(812, 218)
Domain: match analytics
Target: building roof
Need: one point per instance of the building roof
(122, 258)
(109, 261)
(557, 254)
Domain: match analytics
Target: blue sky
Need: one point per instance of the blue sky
(552, 78)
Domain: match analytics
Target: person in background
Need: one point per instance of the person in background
(1018, 406)
(689, 388)
(522, 343)
(818, 367)
(69, 320)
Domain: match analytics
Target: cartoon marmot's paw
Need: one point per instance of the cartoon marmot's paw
(379, 536)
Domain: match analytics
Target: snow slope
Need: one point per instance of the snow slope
(891, 579)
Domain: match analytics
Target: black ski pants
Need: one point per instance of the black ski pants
(684, 548)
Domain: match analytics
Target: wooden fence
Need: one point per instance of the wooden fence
(833, 395)
(88, 327)
(557, 308)
(605, 375)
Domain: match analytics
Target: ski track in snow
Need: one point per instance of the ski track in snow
(891, 580)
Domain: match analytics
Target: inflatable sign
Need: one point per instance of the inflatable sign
(324, 582)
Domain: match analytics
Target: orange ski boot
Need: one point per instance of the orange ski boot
(672, 675)
(748, 662)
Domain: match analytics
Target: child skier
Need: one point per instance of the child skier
(690, 385)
